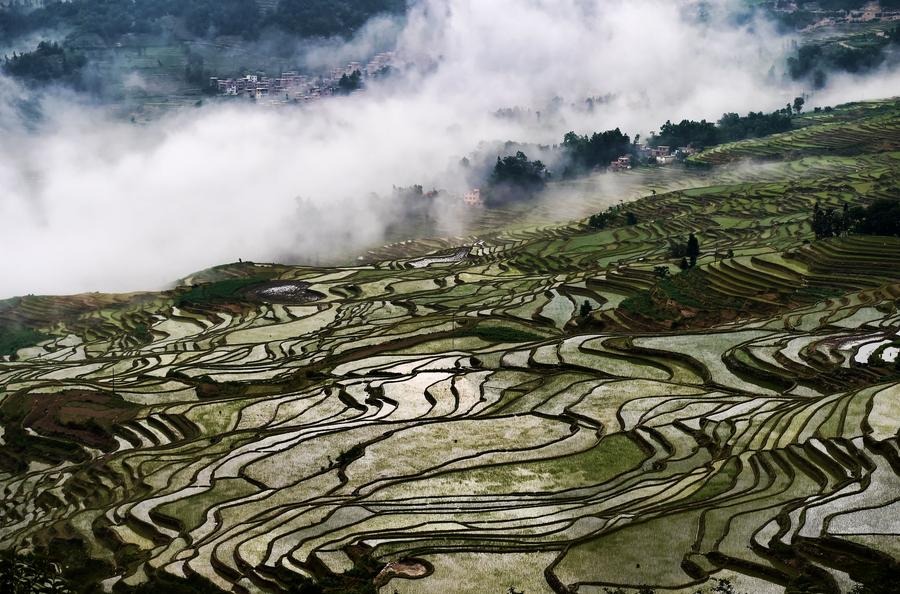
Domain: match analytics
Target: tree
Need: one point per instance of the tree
(798, 104)
(693, 249)
(585, 310)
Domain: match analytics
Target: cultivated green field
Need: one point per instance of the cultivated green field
(419, 425)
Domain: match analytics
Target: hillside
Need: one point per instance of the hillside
(458, 420)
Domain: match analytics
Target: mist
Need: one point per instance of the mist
(91, 202)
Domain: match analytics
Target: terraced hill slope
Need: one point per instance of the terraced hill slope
(450, 422)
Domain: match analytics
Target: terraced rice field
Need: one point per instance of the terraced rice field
(859, 128)
(450, 420)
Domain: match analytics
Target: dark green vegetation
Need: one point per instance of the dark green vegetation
(729, 128)
(859, 129)
(348, 84)
(221, 290)
(49, 62)
(882, 217)
(612, 216)
(515, 177)
(70, 571)
(584, 153)
(498, 333)
(14, 337)
(557, 407)
(312, 18)
(110, 19)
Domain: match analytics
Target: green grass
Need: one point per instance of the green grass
(690, 288)
(717, 484)
(499, 334)
(191, 511)
(613, 455)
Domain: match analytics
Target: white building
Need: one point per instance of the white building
(473, 198)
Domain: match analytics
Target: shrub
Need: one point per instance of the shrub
(585, 310)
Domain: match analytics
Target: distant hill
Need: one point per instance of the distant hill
(112, 19)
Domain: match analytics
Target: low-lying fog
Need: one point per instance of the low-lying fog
(91, 202)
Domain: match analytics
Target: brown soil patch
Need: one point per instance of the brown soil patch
(80, 416)
(410, 569)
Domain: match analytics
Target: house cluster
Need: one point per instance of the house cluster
(620, 164)
(473, 198)
(663, 155)
(259, 86)
(293, 86)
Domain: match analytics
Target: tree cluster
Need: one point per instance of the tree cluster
(612, 216)
(731, 127)
(601, 220)
(827, 222)
(48, 63)
(514, 177)
(348, 84)
(598, 150)
(686, 133)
